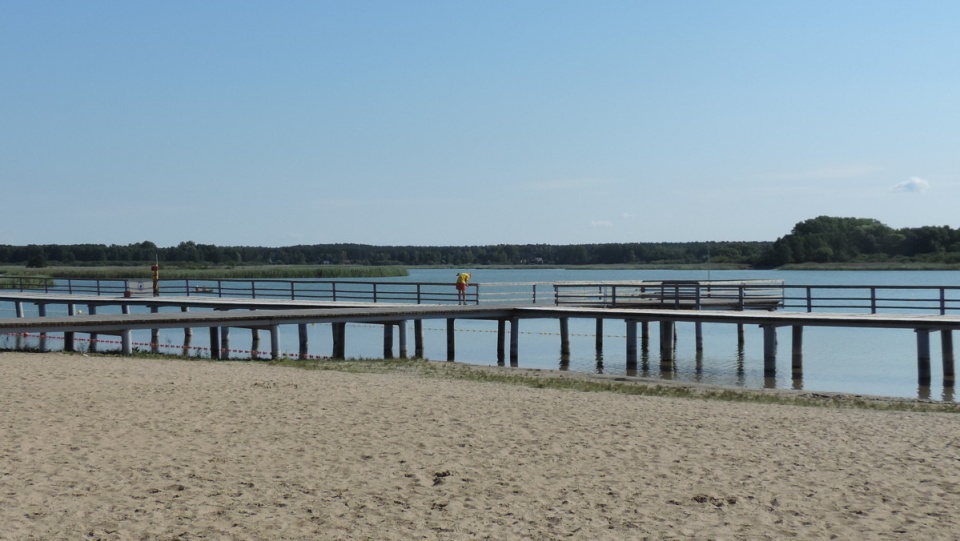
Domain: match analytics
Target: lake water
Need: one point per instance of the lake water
(860, 361)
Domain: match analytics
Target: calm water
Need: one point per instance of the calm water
(861, 361)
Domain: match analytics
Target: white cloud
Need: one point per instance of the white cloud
(601, 223)
(913, 185)
(627, 215)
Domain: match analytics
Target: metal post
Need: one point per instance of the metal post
(274, 342)
(946, 348)
(923, 356)
(451, 340)
(769, 350)
(514, 341)
(418, 338)
(564, 336)
(388, 340)
(631, 344)
(304, 340)
(402, 328)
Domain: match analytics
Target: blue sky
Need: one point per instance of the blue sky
(470, 123)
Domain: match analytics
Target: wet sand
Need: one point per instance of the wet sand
(119, 448)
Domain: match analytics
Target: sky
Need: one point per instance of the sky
(454, 123)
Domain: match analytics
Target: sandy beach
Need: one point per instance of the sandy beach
(119, 448)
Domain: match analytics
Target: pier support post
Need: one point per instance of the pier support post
(224, 342)
(501, 340)
(155, 333)
(42, 311)
(68, 337)
(797, 351)
(388, 340)
(564, 337)
(126, 344)
(214, 343)
(254, 343)
(18, 308)
(667, 329)
(769, 350)
(339, 331)
(946, 348)
(274, 342)
(187, 333)
(402, 338)
(699, 334)
(740, 340)
(514, 341)
(304, 340)
(92, 310)
(631, 344)
(599, 337)
(418, 338)
(923, 356)
(645, 336)
(451, 340)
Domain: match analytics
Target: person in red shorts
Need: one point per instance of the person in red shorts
(462, 279)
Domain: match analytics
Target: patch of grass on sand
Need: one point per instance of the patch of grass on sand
(549, 379)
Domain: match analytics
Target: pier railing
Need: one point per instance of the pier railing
(679, 294)
(676, 294)
(872, 299)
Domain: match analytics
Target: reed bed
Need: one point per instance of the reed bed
(10, 275)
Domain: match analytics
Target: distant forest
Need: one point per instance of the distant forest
(819, 240)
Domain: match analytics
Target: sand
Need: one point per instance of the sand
(143, 449)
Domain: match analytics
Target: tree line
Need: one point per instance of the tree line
(819, 240)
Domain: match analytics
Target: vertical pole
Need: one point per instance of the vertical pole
(740, 340)
(126, 346)
(564, 336)
(187, 333)
(388, 340)
(501, 340)
(769, 350)
(599, 338)
(645, 335)
(667, 330)
(514, 341)
(254, 343)
(418, 338)
(304, 339)
(797, 350)
(451, 340)
(923, 356)
(946, 347)
(154, 333)
(402, 328)
(224, 342)
(68, 337)
(666, 340)
(274, 342)
(699, 335)
(214, 342)
(631, 344)
(92, 310)
(339, 331)
(42, 311)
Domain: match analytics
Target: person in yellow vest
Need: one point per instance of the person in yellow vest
(462, 279)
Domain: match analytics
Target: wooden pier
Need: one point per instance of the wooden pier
(270, 314)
